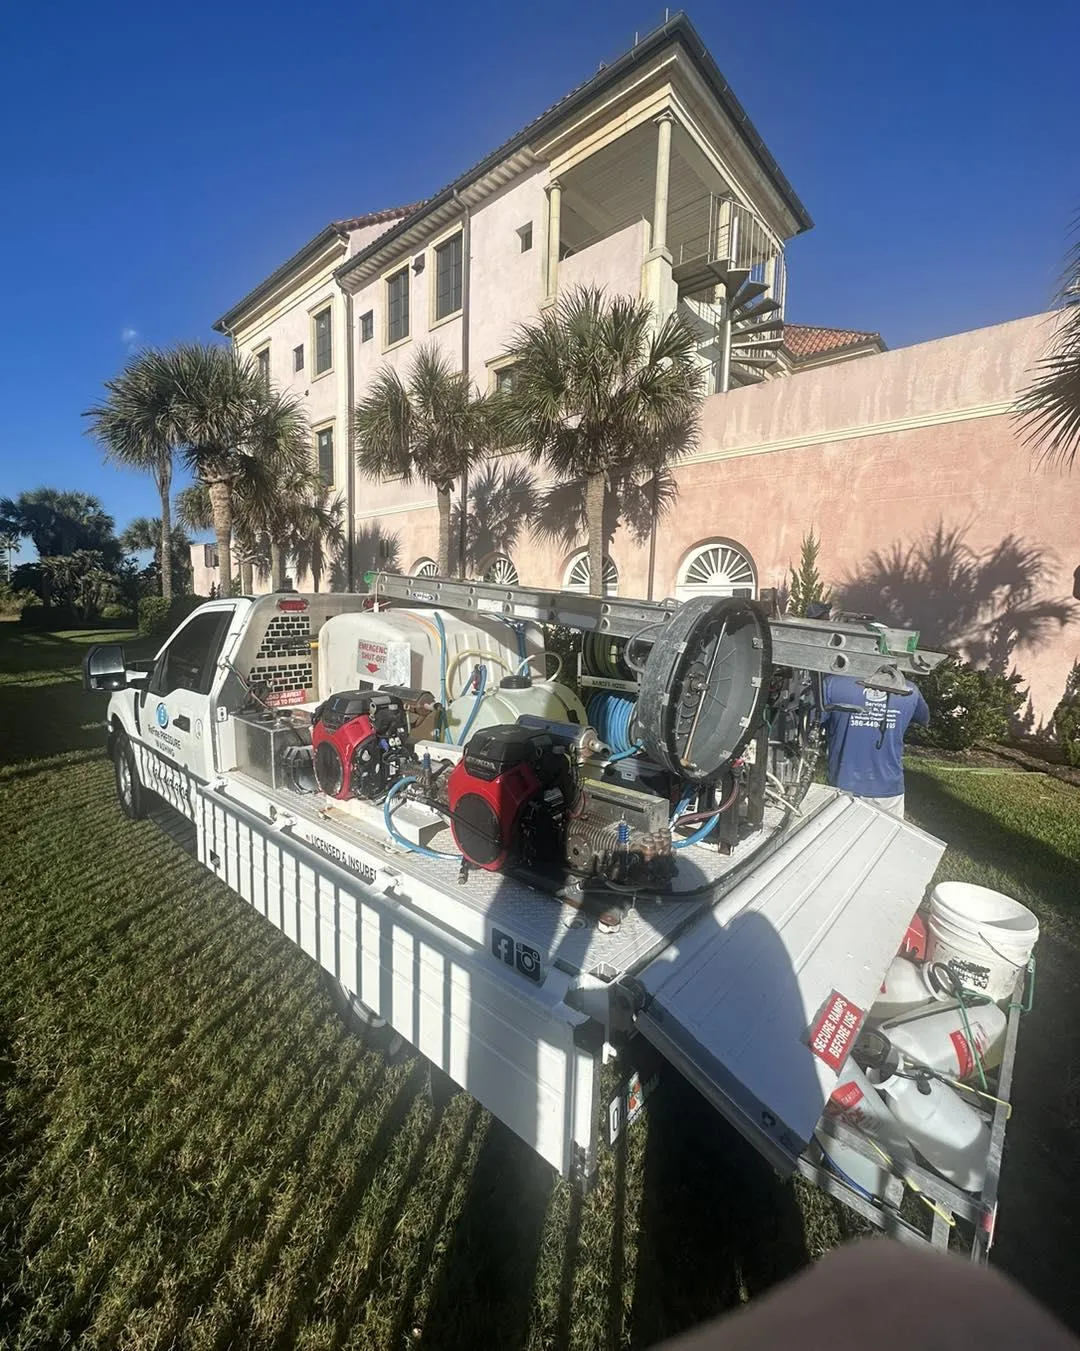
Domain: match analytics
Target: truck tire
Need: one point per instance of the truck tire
(129, 790)
(363, 1021)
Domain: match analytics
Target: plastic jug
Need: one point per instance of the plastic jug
(950, 1135)
(857, 1103)
(908, 985)
(936, 1037)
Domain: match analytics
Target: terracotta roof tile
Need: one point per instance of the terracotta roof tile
(805, 340)
(390, 213)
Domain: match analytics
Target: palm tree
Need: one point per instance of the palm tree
(316, 536)
(218, 411)
(431, 427)
(136, 426)
(1048, 411)
(144, 534)
(277, 479)
(600, 392)
(59, 522)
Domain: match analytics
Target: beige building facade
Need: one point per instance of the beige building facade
(650, 180)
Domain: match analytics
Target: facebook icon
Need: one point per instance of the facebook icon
(502, 945)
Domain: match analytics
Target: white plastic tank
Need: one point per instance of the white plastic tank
(857, 1102)
(947, 1132)
(403, 647)
(908, 985)
(936, 1037)
(498, 704)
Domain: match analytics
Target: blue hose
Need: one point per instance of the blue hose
(612, 715)
(400, 839)
(477, 700)
(698, 834)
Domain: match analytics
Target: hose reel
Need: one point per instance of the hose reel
(703, 686)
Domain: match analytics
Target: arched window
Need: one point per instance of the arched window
(425, 567)
(717, 568)
(578, 574)
(501, 571)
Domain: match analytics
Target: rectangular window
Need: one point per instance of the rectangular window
(397, 306)
(525, 235)
(263, 358)
(298, 358)
(324, 351)
(210, 556)
(325, 443)
(504, 380)
(367, 326)
(448, 277)
(190, 660)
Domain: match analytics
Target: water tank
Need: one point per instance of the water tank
(402, 647)
(507, 702)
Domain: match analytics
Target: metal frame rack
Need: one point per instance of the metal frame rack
(874, 653)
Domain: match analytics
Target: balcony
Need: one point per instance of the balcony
(717, 242)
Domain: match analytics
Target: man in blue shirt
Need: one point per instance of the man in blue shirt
(865, 730)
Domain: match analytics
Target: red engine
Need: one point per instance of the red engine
(504, 772)
(359, 740)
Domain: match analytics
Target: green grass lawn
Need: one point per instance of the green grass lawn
(194, 1154)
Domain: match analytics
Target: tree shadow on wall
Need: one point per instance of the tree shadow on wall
(502, 503)
(374, 550)
(984, 605)
(629, 501)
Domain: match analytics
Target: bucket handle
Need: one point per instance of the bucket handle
(1017, 965)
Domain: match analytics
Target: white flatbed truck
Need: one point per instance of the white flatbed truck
(751, 970)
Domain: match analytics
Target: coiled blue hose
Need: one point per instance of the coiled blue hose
(388, 821)
(611, 715)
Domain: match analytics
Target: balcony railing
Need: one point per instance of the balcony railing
(715, 238)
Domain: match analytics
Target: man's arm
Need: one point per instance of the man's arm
(922, 713)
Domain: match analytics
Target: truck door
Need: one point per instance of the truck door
(175, 705)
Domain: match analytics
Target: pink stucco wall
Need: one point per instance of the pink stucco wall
(929, 508)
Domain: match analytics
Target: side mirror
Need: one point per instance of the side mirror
(104, 668)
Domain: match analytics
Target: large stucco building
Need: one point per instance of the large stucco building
(649, 179)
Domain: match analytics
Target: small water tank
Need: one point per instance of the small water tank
(510, 699)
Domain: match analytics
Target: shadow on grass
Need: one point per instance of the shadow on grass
(1038, 1227)
(717, 1224)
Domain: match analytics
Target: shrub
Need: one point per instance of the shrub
(114, 611)
(967, 705)
(157, 618)
(1066, 719)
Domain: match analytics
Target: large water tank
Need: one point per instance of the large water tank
(402, 647)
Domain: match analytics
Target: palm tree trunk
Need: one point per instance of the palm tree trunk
(277, 567)
(221, 510)
(444, 531)
(247, 579)
(165, 550)
(594, 516)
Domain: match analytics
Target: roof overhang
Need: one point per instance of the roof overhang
(523, 150)
(316, 253)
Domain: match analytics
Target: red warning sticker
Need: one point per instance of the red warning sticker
(845, 1098)
(832, 1034)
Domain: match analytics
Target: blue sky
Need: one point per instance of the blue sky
(158, 160)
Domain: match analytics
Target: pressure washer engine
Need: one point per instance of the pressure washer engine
(517, 797)
(361, 740)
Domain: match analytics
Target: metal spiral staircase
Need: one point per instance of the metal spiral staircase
(731, 282)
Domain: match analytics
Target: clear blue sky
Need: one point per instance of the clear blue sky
(156, 161)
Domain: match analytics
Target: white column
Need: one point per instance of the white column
(554, 192)
(664, 124)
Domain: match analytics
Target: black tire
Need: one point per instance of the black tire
(364, 1022)
(130, 793)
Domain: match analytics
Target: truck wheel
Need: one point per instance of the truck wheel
(363, 1021)
(129, 791)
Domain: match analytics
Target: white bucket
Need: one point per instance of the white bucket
(984, 936)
